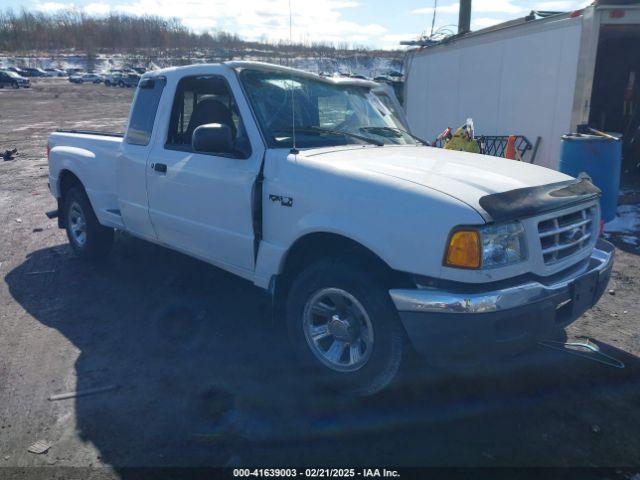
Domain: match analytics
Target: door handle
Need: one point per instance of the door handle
(159, 167)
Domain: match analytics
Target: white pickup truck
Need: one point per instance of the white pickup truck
(370, 242)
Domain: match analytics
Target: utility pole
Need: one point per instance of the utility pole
(464, 17)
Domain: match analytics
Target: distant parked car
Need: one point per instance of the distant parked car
(112, 78)
(74, 71)
(13, 80)
(54, 72)
(86, 78)
(34, 72)
(17, 70)
(129, 80)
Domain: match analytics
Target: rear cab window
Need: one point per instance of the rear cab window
(144, 111)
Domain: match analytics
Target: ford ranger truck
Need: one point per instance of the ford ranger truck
(370, 242)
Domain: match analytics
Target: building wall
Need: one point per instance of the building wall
(519, 80)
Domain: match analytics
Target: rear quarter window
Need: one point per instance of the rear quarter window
(144, 111)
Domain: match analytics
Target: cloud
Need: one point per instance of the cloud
(398, 37)
(482, 6)
(317, 20)
(49, 7)
(559, 5)
(485, 22)
(96, 9)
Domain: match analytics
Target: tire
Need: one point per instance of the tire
(335, 292)
(15, 85)
(121, 84)
(88, 239)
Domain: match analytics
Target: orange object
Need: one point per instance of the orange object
(510, 151)
(464, 249)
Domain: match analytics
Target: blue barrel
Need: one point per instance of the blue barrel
(599, 157)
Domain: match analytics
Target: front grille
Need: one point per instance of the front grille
(564, 235)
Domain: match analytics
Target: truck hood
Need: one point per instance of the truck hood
(465, 176)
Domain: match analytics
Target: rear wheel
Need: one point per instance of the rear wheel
(344, 327)
(87, 237)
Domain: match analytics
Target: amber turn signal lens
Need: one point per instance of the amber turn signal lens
(464, 249)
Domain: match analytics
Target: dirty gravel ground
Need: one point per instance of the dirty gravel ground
(204, 377)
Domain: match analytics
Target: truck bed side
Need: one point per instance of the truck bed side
(91, 157)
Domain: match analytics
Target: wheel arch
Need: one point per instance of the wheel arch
(66, 180)
(318, 245)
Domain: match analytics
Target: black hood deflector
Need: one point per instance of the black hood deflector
(530, 201)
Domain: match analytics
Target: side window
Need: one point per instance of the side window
(144, 111)
(200, 100)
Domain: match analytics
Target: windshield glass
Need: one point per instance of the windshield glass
(12, 74)
(326, 114)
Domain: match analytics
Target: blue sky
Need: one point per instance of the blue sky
(374, 23)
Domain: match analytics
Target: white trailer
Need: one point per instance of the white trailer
(537, 77)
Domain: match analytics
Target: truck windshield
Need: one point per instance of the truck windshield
(324, 113)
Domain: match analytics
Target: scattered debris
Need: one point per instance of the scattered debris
(37, 230)
(10, 154)
(612, 292)
(595, 428)
(41, 272)
(19, 220)
(39, 447)
(82, 393)
(585, 350)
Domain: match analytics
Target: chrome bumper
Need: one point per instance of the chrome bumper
(440, 301)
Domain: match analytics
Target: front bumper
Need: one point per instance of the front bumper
(453, 324)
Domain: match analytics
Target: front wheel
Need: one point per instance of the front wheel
(344, 327)
(87, 237)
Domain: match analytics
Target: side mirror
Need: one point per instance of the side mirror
(212, 138)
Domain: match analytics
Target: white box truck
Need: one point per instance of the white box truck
(537, 77)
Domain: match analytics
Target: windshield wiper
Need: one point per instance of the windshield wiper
(395, 130)
(330, 131)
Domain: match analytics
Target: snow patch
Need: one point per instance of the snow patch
(627, 220)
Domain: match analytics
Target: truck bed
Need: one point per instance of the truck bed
(93, 132)
(93, 157)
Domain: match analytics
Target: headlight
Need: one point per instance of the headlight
(502, 244)
(486, 247)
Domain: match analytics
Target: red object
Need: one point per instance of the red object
(510, 151)
(575, 13)
(601, 228)
(616, 13)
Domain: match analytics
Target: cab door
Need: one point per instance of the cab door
(201, 203)
(131, 162)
